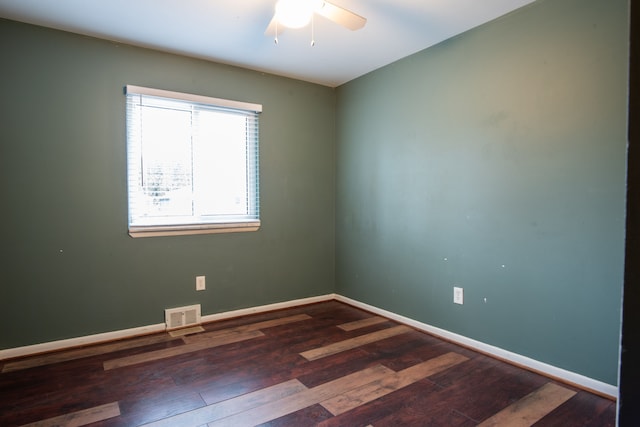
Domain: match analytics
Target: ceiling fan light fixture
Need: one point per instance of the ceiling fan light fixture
(296, 13)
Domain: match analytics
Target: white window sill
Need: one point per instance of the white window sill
(182, 230)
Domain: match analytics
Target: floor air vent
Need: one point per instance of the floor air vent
(181, 317)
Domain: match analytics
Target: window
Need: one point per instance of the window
(192, 163)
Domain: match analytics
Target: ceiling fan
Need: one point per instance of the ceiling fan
(298, 13)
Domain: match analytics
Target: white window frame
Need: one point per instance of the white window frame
(140, 222)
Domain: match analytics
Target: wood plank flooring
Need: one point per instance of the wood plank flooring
(325, 364)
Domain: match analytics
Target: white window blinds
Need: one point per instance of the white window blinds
(192, 163)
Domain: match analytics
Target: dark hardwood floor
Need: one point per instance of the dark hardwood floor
(326, 364)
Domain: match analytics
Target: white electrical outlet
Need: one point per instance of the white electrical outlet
(200, 283)
(458, 295)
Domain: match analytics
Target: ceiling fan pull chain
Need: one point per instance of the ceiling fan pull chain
(275, 39)
(313, 30)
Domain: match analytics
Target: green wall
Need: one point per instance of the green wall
(68, 266)
(495, 161)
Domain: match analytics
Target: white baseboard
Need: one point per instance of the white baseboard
(144, 330)
(514, 358)
(46, 347)
(581, 381)
(265, 308)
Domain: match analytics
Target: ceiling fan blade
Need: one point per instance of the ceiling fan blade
(341, 16)
(271, 28)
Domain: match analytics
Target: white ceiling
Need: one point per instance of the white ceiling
(232, 31)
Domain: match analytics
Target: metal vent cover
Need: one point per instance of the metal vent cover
(181, 317)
